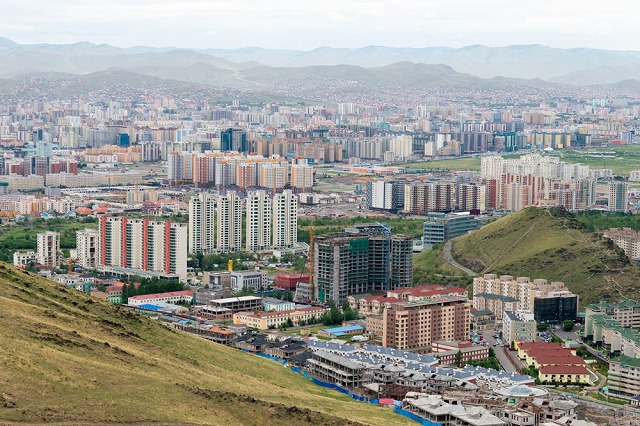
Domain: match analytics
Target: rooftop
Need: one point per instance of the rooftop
(187, 293)
(492, 296)
(623, 359)
(563, 369)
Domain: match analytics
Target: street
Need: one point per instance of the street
(505, 362)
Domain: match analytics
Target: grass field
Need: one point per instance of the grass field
(430, 267)
(66, 357)
(22, 235)
(465, 163)
(623, 159)
(551, 244)
(626, 158)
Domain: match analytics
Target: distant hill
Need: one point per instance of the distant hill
(551, 244)
(478, 65)
(71, 359)
(517, 61)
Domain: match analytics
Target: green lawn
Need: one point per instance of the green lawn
(610, 399)
(626, 158)
(430, 267)
(464, 163)
(22, 236)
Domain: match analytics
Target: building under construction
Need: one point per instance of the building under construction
(365, 258)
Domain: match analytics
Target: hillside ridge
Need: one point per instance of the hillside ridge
(551, 243)
(66, 357)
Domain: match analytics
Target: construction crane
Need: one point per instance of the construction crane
(311, 293)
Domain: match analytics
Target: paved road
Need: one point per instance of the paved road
(505, 361)
(449, 258)
(566, 335)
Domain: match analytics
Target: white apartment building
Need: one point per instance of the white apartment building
(302, 175)
(518, 327)
(258, 229)
(285, 219)
(48, 252)
(229, 222)
(402, 146)
(202, 211)
(255, 280)
(87, 247)
(21, 259)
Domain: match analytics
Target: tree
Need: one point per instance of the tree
(542, 326)
(567, 325)
(289, 322)
(459, 358)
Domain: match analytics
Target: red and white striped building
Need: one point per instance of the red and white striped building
(144, 244)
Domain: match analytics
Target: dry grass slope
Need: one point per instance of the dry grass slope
(66, 357)
(551, 244)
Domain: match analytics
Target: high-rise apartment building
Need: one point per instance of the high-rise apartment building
(228, 222)
(285, 219)
(258, 229)
(418, 324)
(549, 302)
(471, 197)
(143, 244)
(402, 146)
(359, 260)
(618, 198)
(301, 176)
(48, 249)
(385, 195)
(233, 140)
(421, 198)
(202, 210)
(627, 239)
(273, 175)
(87, 247)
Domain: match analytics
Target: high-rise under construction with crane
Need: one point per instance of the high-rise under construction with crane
(365, 258)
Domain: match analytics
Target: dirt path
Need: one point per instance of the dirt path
(449, 258)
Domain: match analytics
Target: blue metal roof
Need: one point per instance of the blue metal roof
(150, 307)
(341, 331)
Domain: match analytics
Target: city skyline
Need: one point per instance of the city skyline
(309, 25)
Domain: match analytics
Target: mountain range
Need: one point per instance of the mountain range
(367, 68)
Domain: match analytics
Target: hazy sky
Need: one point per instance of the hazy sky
(307, 24)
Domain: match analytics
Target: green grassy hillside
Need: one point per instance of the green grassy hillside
(430, 267)
(551, 244)
(66, 357)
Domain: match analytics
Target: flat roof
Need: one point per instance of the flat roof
(236, 299)
(338, 331)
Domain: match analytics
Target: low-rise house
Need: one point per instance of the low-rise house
(267, 320)
(168, 297)
(270, 304)
(335, 369)
(286, 349)
(209, 332)
(564, 374)
(336, 332)
(250, 342)
(433, 409)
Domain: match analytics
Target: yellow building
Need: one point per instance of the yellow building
(266, 320)
(564, 374)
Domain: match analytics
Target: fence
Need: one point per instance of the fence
(415, 418)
